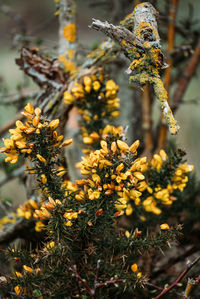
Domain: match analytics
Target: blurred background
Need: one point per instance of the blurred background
(33, 23)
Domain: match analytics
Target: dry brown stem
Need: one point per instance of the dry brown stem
(174, 284)
(167, 77)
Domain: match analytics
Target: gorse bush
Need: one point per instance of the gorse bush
(96, 236)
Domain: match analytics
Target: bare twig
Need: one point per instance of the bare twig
(174, 284)
(185, 78)
(80, 280)
(167, 79)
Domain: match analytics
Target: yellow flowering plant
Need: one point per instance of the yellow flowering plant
(97, 103)
(98, 236)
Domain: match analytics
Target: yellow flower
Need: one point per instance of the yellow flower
(36, 121)
(127, 234)
(164, 226)
(139, 175)
(37, 111)
(122, 145)
(134, 268)
(87, 140)
(54, 124)
(163, 155)
(134, 146)
(96, 178)
(96, 85)
(139, 275)
(39, 226)
(33, 203)
(27, 214)
(115, 113)
(67, 142)
(129, 210)
(44, 178)
(28, 269)
(43, 160)
(18, 274)
(68, 98)
(9, 143)
(18, 289)
(29, 108)
(51, 244)
(68, 223)
(111, 85)
(87, 80)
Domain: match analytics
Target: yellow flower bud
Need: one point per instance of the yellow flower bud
(96, 85)
(18, 274)
(122, 145)
(134, 268)
(29, 108)
(28, 269)
(68, 98)
(44, 178)
(87, 80)
(134, 146)
(54, 124)
(41, 158)
(164, 226)
(18, 289)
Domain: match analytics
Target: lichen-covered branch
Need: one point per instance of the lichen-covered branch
(142, 47)
(67, 35)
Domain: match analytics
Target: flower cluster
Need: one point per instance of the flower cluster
(39, 141)
(115, 174)
(97, 103)
(26, 135)
(163, 177)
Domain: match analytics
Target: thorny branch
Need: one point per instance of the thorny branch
(174, 284)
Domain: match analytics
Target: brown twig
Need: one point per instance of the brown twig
(167, 78)
(81, 281)
(147, 121)
(174, 284)
(185, 78)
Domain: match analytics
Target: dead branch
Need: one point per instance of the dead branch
(185, 78)
(43, 71)
(174, 284)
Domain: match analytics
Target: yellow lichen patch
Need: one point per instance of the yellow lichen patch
(69, 32)
(69, 66)
(70, 54)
